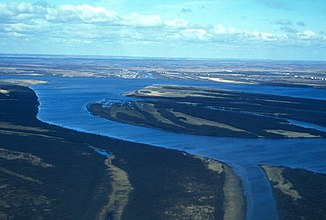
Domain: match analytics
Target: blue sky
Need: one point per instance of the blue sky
(263, 29)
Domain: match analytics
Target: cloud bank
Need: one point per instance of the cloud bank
(85, 24)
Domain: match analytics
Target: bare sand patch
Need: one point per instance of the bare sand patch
(119, 195)
(26, 178)
(211, 164)
(16, 155)
(6, 125)
(173, 91)
(216, 79)
(234, 203)
(26, 134)
(150, 108)
(274, 174)
(4, 92)
(24, 82)
(292, 134)
(200, 121)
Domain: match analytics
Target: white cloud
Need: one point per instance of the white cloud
(21, 27)
(139, 20)
(26, 8)
(86, 13)
(196, 34)
(307, 34)
(234, 34)
(220, 29)
(21, 11)
(264, 36)
(81, 14)
(177, 23)
(85, 24)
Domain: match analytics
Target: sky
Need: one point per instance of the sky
(240, 29)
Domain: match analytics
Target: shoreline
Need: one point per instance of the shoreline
(215, 112)
(233, 189)
(297, 192)
(195, 150)
(188, 165)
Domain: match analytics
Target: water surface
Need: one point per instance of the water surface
(63, 102)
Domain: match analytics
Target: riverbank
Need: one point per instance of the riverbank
(52, 172)
(299, 193)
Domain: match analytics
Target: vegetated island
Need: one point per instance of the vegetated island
(214, 112)
(49, 172)
(299, 194)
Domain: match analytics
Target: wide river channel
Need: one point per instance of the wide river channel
(63, 102)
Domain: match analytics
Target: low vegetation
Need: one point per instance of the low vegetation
(299, 193)
(214, 112)
(48, 172)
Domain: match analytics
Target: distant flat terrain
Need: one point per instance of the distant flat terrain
(262, 72)
(299, 194)
(48, 172)
(206, 111)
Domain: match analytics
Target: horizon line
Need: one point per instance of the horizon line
(154, 57)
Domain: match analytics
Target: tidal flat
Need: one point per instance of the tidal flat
(49, 172)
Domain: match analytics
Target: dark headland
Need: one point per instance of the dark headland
(49, 172)
(299, 194)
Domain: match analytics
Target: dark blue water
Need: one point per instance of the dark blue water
(63, 102)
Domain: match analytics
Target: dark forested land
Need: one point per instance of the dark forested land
(48, 172)
(214, 112)
(299, 194)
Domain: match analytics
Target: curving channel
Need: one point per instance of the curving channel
(244, 155)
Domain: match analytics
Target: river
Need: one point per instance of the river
(63, 102)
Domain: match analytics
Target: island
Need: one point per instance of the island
(216, 112)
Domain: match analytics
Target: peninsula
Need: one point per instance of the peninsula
(49, 172)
